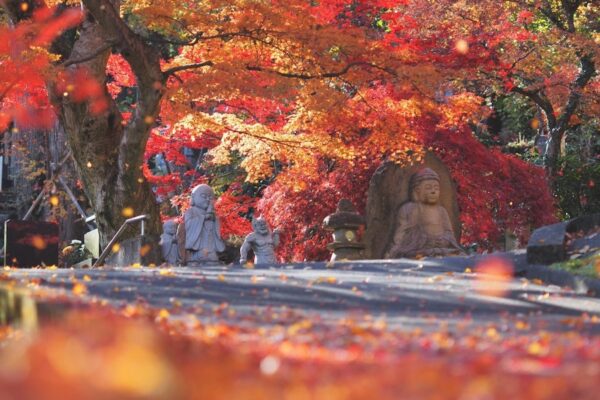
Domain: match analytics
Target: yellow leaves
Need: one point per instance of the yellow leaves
(163, 314)
(303, 325)
(460, 109)
(537, 349)
(522, 325)
(79, 289)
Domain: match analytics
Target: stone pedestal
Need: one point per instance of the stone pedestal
(345, 223)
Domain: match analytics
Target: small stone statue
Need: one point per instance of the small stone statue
(202, 229)
(168, 242)
(345, 223)
(422, 226)
(262, 242)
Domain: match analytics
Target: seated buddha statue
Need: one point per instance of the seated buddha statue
(423, 226)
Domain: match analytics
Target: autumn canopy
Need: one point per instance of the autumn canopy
(286, 106)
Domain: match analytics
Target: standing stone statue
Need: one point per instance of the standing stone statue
(202, 230)
(262, 242)
(423, 227)
(168, 242)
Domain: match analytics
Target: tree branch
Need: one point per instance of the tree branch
(586, 73)
(540, 100)
(341, 72)
(91, 56)
(179, 68)
(143, 59)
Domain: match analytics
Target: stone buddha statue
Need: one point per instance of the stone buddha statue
(168, 242)
(423, 226)
(202, 238)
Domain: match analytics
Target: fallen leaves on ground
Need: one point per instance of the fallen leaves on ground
(140, 353)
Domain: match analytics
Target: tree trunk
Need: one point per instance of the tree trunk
(108, 155)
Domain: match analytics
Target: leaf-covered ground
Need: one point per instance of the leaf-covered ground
(96, 352)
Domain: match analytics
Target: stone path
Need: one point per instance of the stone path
(404, 294)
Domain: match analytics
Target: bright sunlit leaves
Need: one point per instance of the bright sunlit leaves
(113, 356)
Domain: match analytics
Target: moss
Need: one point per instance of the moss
(587, 266)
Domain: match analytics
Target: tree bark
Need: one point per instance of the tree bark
(108, 154)
(557, 127)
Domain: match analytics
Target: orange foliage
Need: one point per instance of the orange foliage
(98, 354)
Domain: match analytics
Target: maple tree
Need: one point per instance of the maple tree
(545, 51)
(282, 87)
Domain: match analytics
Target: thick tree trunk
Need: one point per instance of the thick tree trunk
(108, 155)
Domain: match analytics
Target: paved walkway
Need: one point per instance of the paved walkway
(403, 294)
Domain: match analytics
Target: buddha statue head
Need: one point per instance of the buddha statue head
(202, 196)
(170, 227)
(425, 186)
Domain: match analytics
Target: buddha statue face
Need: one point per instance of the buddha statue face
(425, 186)
(428, 191)
(202, 195)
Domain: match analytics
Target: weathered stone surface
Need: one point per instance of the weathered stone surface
(547, 244)
(140, 250)
(168, 242)
(345, 223)
(262, 242)
(389, 190)
(202, 230)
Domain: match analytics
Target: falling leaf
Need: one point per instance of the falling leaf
(127, 212)
(493, 276)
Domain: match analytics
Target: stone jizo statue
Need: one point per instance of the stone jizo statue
(168, 242)
(202, 230)
(423, 227)
(262, 242)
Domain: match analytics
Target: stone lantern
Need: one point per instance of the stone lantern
(345, 223)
